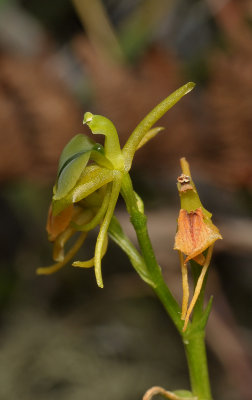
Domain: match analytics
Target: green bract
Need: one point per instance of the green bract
(87, 168)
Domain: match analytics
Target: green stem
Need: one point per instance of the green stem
(194, 339)
(197, 363)
(139, 221)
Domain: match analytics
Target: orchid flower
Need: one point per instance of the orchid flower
(89, 181)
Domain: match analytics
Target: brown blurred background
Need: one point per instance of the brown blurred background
(61, 337)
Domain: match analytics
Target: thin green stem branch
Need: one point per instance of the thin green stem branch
(139, 221)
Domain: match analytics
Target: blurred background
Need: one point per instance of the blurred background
(61, 337)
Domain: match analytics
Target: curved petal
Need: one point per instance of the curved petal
(55, 267)
(104, 227)
(90, 263)
(102, 125)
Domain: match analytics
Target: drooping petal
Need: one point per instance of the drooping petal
(58, 246)
(90, 263)
(104, 227)
(55, 267)
(83, 216)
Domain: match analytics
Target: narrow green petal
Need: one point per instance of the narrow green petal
(90, 263)
(145, 125)
(104, 227)
(55, 267)
(150, 135)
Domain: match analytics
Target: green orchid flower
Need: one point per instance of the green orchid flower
(89, 181)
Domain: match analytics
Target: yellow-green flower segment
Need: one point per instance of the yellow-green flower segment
(78, 178)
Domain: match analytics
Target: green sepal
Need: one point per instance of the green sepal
(93, 178)
(78, 145)
(70, 173)
(74, 160)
